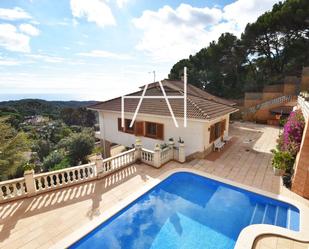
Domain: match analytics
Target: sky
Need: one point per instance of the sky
(101, 49)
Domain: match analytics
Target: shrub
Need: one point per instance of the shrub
(282, 160)
(292, 133)
(43, 148)
(54, 158)
(65, 163)
(80, 145)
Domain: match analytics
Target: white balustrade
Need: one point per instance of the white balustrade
(176, 153)
(165, 155)
(304, 105)
(32, 184)
(12, 189)
(64, 177)
(147, 156)
(119, 161)
(281, 99)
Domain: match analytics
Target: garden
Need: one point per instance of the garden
(289, 142)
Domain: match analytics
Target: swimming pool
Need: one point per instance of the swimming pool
(189, 211)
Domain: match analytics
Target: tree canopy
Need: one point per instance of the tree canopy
(13, 147)
(80, 116)
(270, 48)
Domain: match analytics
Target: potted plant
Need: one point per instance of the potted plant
(29, 167)
(180, 140)
(282, 161)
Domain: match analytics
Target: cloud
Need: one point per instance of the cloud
(14, 14)
(94, 10)
(12, 40)
(29, 29)
(46, 58)
(121, 3)
(172, 34)
(105, 54)
(242, 12)
(9, 62)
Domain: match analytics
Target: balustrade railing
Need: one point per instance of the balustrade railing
(32, 184)
(121, 160)
(279, 100)
(13, 189)
(165, 155)
(304, 105)
(147, 156)
(64, 177)
(176, 153)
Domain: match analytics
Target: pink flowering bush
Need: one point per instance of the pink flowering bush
(292, 133)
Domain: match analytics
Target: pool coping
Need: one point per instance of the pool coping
(246, 237)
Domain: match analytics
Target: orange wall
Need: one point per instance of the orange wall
(290, 89)
(305, 79)
(271, 95)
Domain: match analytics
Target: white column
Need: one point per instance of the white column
(138, 149)
(157, 156)
(171, 149)
(98, 166)
(30, 183)
(182, 153)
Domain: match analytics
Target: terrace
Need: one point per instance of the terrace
(47, 218)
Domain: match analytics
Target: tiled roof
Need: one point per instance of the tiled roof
(200, 104)
(191, 90)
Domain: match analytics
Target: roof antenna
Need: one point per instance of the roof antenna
(154, 75)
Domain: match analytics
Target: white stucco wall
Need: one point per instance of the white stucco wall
(195, 135)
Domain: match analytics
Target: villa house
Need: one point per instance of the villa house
(207, 119)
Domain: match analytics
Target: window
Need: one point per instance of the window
(119, 125)
(127, 127)
(141, 128)
(151, 129)
(154, 130)
(217, 130)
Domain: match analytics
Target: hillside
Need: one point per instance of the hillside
(29, 107)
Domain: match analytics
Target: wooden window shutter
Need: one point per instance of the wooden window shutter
(160, 131)
(212, 134)
(139, 128)
(223, 126)
(119, 125)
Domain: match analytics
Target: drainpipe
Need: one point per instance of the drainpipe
(103, 134)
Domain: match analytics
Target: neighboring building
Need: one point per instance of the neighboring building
(208, 118)
(35, 120)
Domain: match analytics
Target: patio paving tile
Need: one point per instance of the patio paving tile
(43, 220)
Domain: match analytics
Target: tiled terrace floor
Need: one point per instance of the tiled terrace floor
(41, 221)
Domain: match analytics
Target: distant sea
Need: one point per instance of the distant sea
(45, 96)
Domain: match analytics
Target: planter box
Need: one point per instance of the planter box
(278, 172)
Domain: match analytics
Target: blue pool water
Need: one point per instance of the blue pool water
(188, 211)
